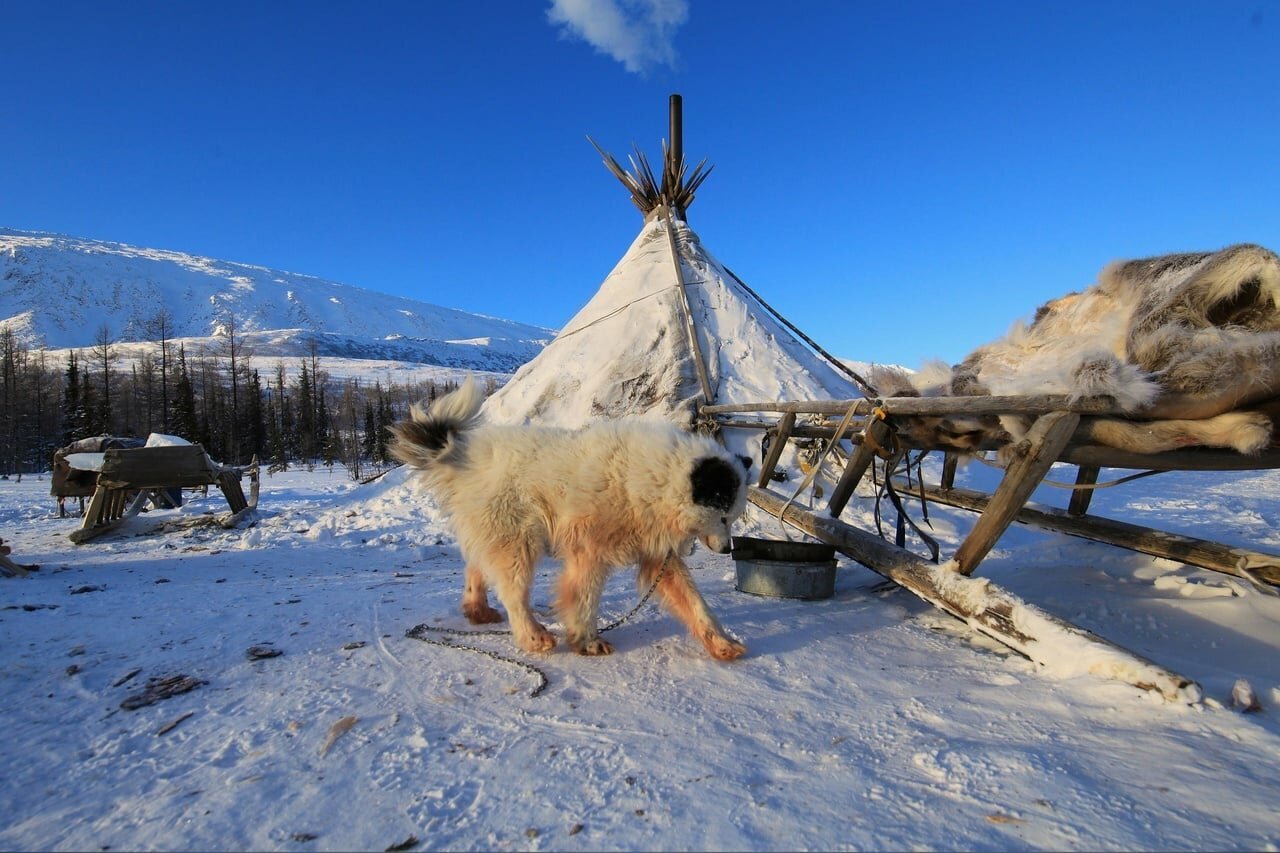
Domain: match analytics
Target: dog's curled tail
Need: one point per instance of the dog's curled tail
(434, 434)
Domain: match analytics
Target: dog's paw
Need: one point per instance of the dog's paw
(481, 614)
(539, 640)
(593, 647)
(723, 648)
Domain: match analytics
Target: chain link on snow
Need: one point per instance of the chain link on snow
(419, 632)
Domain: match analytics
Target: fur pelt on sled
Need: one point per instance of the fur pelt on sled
(1186, 346)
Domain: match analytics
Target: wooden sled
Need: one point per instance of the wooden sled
(131, 478)
(871, 427)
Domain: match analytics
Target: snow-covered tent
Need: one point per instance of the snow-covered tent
(671, 328)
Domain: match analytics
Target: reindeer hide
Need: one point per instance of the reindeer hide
(1177, 338)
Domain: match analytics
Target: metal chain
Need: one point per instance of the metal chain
(418, 632)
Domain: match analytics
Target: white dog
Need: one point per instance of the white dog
(609, 495)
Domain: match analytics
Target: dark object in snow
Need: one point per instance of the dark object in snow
(80, 590)
(161, 688)
(261, 652)
(128, 676)
(304, 836)
(408, 844)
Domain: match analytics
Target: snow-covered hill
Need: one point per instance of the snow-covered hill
(58, 291)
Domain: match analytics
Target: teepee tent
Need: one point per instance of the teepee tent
(670, 329)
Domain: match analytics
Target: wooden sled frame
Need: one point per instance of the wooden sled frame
(132, 477)
(1052, 438)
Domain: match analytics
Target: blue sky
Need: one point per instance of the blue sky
(900, 179)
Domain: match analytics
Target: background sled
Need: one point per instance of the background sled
(131, 477)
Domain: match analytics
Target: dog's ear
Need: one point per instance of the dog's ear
(715, 483)
(746, 463)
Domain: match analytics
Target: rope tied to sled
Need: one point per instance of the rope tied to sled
(420, 632)
(817, 466)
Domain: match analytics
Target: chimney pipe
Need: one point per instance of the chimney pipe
(677, 132)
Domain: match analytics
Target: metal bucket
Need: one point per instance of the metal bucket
(805, 570)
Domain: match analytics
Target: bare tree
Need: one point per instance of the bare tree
(237, 355)
(104, 355)
(160, 328)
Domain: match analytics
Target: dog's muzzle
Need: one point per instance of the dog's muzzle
(719, 544)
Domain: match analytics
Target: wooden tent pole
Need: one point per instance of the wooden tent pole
(691, 329)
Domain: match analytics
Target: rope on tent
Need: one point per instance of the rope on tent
(867, 389)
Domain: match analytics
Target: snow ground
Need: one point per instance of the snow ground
(866, 721)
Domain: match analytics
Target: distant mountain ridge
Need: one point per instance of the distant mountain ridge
(57, 291)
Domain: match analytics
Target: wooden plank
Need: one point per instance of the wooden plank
(1086, 475)
(950, 459)
(800, 430)
(874, 435)
(1206, 554)
(97, 519)
(229, 483)
(987, 608)
(937, 406)
(1190, 459)
(691, 329)
(253, 481)
(780, 439)
(1035, 455)
(156, 467)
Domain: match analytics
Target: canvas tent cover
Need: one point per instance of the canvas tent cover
(626, 352)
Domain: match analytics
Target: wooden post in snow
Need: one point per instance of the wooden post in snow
(1044, 638)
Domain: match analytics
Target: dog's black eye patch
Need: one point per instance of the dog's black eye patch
(715, 483)
(746, 463)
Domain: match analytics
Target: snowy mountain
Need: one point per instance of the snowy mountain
(58, 291)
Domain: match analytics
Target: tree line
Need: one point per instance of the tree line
(215, 397)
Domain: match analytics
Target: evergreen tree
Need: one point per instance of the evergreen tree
(89, 414)
(255, 427)
(307, 439)
(183, 419)
(71, 399)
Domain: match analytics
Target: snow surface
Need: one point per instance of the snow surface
(866, 721)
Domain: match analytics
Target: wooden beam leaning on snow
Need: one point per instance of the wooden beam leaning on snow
(1064, 649)
(1254, 566)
